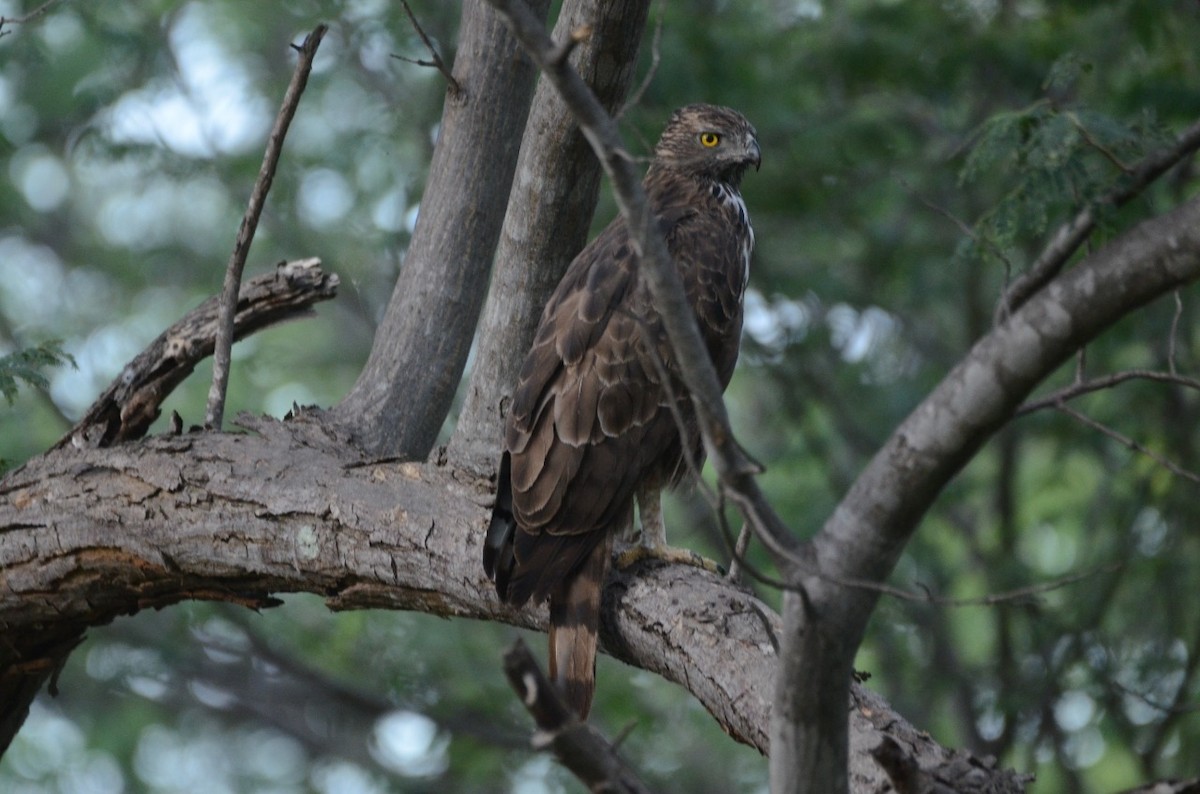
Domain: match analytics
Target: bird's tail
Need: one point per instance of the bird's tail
(574, 625)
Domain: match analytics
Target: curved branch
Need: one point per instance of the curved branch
(90, 534)
(131, 403)
(869, 528)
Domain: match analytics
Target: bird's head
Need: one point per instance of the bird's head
(710, 141)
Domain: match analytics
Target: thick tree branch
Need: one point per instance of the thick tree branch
(131, 403)
(866, 533)
(404, 392)
(215, 412)
(90, 534)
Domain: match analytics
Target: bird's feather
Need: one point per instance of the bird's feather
(591, 417)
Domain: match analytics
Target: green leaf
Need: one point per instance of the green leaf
(27, 365)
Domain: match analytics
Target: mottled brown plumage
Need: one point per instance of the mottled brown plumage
(590, 424)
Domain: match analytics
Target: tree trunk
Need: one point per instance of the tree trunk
(404, 392)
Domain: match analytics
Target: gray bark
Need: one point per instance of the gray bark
(401, 398)
(550, 210)
(87, 535)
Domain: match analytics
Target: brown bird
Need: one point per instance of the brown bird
(591, 424)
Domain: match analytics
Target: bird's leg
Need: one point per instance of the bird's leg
(653, 541)
(654, 532)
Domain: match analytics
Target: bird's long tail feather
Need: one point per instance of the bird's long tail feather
(574, 625)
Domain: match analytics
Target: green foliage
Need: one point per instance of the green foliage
(27, 365)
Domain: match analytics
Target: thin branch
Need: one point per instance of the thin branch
(34, 14)
(580, 747)
(241, 246)
(655, 57)
(740, 547)
(1109, 154)
(1072, 234)
(963, 227)
(1154, 704)
(576, 37)
(1081, 387)
(1126, 441)
(437, 62)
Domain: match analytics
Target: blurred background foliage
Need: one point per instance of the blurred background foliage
(917, 156)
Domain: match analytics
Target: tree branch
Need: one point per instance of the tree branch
(578, 746)
(865, 534)
(1071, 235)
(245, 235)
(437, 61)
(131, 403)
(1079, 388)
(87, 535)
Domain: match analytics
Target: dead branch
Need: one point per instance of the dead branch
(1082, 387)
(1131, 443)
(131, 403)
(245, 235)
(437, 62)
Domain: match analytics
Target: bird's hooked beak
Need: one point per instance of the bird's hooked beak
(753, 153)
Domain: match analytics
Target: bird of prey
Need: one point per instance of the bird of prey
(599, 414)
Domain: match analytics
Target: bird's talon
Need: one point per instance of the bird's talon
(667, 555)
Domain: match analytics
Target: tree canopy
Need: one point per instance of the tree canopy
(919, 161)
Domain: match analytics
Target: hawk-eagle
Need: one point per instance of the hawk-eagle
(591, 424)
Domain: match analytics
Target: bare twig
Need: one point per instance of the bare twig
(739, 553)
(1126, 441)
(1072, 234)
(1081, 387)
(655, 57)
(577, 36)
(580, 747)
(1154, 704)
(437, 62)
(1109, 154)
(241, 246)
(963, 227)
(34, 14)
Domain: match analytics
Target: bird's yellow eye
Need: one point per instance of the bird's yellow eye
(709, 139)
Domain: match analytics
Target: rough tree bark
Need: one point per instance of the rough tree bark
(403, 394)
(88, 535)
